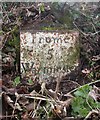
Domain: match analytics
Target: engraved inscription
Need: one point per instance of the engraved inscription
(47, 53)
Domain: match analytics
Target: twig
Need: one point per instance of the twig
(90, 113)
(96, 32)
(73, 82)
(92, 22)
(59, 78)
(83, 86)
(5, 38)
(45, 110)
(38, 98)
(35, 111)
(17, 98)
(8, 116)
(88, 102)
(80, 30)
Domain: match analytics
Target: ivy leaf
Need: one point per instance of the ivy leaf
(79, 105)
(16, 81)
(1, 32)
(78, 93)
(83, 91)
(94, 104)
(41, 8)
(83, 112)
(30, 81)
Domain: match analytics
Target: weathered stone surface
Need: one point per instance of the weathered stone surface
(46, 53)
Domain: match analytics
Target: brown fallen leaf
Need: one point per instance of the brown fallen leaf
(57, 109)
(86, 71)
(25, 116)
(8, 100)
(66, 103)
(30, 106)
(23, 101)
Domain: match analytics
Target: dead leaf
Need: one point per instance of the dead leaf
(23, 101)
(57, 109)
(86, 71)
(66, 103)
(30, 107)
(9, 100)
(25, 116)
(18, 107)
